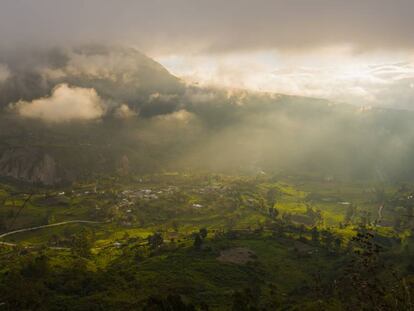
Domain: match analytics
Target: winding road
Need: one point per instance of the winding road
(47, 226)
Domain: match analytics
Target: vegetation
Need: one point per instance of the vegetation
(207, 242)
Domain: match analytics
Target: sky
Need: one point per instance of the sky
(356, 51)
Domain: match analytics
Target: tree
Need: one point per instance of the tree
(203, 232)
(82, 243)
(246, 300)
(2, 225)
(155, 240)
(315, 215)
(230, 222)
(25, 286)
(365, 218)
(327, 238)
(35, 267)
(350, 213)
(368, 283)
(54, 240)
(26, 200)
(171, 303)
(287, 217)
(273, 212)
(198, 241)
(338, 243)
(315, 234)
(271, 196)
(175, 226)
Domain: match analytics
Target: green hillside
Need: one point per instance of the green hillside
(203, 241)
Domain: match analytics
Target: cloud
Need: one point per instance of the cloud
(377, 79)
(120, 75)
(124, 112)
(215, 25)
(182, 116)
(125, 76)
(66, 103)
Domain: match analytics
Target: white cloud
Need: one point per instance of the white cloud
(66, 103)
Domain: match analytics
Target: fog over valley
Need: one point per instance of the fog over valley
(189, 155)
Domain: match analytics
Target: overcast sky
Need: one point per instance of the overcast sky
(213, 25)
(330, 48)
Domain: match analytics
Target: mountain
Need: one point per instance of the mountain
(150, 121)
(28, 164)
(117, 74)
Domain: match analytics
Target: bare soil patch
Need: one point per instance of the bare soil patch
(238, 255)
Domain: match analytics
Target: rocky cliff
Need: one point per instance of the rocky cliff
(30, 165)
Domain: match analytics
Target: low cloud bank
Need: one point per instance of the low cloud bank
(119, 76)
(66, 103)
(172, 126)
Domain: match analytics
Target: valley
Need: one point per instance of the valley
(202, 240)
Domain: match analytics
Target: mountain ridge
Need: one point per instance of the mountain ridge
(165, 125)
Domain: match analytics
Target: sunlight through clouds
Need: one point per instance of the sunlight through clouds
(336, 74)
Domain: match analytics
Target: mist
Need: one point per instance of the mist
(206, 155)
(115, 102)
